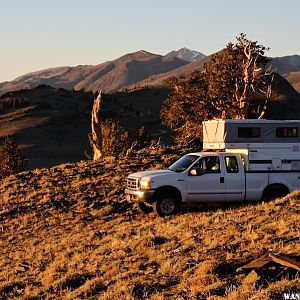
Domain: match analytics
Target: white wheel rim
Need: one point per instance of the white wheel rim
(167, 206)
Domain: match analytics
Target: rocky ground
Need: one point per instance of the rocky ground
(67, 232)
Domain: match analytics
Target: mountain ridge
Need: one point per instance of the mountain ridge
(131, 70)
(108, 76)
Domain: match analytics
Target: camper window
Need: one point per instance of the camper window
(249, 132)
(287, 132)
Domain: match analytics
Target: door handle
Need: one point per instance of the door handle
(222, 179)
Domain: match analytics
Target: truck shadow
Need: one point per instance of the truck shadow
(211, 207)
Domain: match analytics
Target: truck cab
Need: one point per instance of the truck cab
(195, 177)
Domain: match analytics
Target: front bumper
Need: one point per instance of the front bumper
(139, 195)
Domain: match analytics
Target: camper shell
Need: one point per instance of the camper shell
(264, 144)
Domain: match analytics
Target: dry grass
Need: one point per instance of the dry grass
(68, 233)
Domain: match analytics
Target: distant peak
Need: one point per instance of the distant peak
(186, 54)
(145, 52)
(138, 55)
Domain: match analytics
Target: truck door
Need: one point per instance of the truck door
(205, 181)
(234, 179)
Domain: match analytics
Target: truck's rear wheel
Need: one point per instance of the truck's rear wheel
(274, 191)
(145, 208)
(167, 205)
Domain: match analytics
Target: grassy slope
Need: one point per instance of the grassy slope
(68, 233)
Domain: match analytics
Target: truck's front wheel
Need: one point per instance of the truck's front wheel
(166, 205)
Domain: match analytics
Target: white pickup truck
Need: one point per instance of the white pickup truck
(207, 177)
(242, 160)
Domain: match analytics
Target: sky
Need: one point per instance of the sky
(39, 34)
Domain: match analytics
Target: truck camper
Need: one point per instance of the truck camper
(241, 160)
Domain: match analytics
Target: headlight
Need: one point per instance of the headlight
(145, 184)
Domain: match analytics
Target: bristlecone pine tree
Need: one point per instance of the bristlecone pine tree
(12, 160)
(109, 138)
(223, 89)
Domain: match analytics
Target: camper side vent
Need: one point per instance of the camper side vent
(295, 165)
(295, 148)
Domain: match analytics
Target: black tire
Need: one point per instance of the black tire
(167, 205)
(144, 207)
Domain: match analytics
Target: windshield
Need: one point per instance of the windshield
(183, 163)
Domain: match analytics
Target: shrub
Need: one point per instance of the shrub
(12, 160)
(116, 141)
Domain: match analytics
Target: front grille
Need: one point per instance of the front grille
(133, 183)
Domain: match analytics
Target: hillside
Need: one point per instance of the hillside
(109, 76)
(51, 126)
(68, 233)
(285, 102)
(282, 66)
(294, 79)
(158, 79)
(286, 64)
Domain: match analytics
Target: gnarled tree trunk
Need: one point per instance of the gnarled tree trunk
(96, 136)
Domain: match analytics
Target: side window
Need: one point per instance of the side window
(207, 165)
(231, 164)
(287, 132)
(212, 164)
(249, 132)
